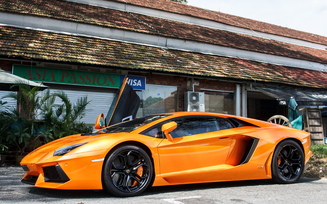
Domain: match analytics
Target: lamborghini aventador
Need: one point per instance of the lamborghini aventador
(169, 149)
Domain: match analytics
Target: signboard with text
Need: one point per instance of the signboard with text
(136, 82)
(74, 77)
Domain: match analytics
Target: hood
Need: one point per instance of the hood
(47, 151)
(62, 142)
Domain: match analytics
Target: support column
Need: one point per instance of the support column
(241, 100)
(244, 101)
(238, 100)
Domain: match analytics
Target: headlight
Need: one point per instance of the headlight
(65, 150)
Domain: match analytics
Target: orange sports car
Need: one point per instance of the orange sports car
(169, 149)
(125, 158)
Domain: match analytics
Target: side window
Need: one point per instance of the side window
(193, 126)
(154, 132)
(223, 124)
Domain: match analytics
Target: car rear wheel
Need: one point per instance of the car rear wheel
(128, 171)
(288, 162)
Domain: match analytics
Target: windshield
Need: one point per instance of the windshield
(131, 125)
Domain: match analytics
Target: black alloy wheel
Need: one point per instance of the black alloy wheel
(288, 162)
(128, 171)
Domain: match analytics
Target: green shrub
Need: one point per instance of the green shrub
(38, 119)
(320, 149)
(317, 165)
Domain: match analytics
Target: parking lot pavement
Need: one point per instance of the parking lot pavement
(10, 187)
(262, 191)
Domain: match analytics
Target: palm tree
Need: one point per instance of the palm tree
(19, 123)
(63, 119)
(38, 119)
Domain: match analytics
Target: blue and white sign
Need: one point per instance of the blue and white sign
(136, 82)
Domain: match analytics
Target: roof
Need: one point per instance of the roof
(180, 8)
(145, 24)
(32, 44)
(25, 43)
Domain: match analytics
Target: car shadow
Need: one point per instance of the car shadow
(53, 193)
(217, 185)
(203, 186)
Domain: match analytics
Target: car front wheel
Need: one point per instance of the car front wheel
(128, 171)
(288, 162)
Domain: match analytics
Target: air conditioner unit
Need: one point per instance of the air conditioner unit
(194, 101)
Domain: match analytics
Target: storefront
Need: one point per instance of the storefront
(311, 104)
(100, 89)
(164, 93)
(158, 93)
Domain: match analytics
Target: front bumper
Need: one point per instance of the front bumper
(73, 174)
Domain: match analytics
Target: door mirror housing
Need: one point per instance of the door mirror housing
(167, 128)
(99, 122)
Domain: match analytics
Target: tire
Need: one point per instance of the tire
(288, 162)
(128, 171)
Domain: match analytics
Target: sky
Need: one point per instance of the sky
(304, 15)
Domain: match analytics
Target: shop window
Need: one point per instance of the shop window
(217, 102)
(99, 101)
(157, 99)
(7, 102)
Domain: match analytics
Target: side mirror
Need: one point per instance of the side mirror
(167, 128)
(99, 122)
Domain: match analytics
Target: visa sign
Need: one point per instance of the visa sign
(136, 82)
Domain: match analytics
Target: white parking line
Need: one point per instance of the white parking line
(177, 200)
